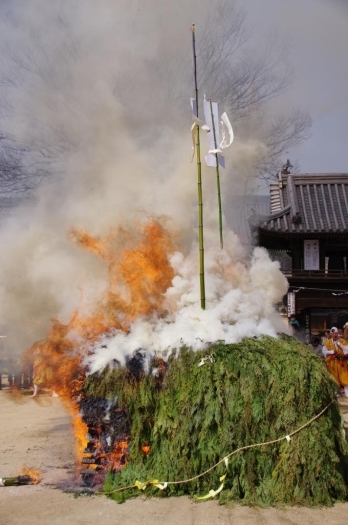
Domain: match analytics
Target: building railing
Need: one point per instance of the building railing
(317, 274)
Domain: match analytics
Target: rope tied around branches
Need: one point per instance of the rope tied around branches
(212, 493)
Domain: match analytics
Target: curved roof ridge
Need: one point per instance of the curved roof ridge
(277, 214)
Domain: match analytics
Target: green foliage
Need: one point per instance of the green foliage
(256, 391)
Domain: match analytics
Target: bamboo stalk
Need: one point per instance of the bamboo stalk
(217, 176)
(199, 175)
(18, 480)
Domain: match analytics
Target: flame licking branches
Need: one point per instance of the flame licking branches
(56, 360)
(57, 365)
(139, 273)
(33, 474)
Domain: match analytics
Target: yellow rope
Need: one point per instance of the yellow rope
(155, 482)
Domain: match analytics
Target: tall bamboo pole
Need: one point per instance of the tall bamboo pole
(199, 173)
(217, 176)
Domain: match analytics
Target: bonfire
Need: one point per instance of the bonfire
(253, 419)
(179, 385)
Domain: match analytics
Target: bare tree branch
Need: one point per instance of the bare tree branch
(50, 64)
(283, 133)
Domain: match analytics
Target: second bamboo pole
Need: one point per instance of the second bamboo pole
(217, 176)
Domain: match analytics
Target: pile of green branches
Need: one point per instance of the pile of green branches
(254, 392)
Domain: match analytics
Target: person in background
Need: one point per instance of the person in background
(340, 332)
(316, 346)
(294, 323)
(335, 351)
(42, 375)
(326, 336)
(345, 331)
(39, 376)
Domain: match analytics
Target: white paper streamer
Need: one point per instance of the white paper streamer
(214, 152)
(225, 122)
(210, 160)
(206, 358)
(207, 114)
(197, 122)
(193, 149)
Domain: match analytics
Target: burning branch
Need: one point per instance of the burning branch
(27, 477)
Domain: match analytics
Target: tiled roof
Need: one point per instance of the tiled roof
(321, 201)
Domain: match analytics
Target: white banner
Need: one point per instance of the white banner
(209, 122)
(210, 160)
(291, 303)
(311, 255)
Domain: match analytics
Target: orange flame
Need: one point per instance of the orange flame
(139, 273)
(34, 474)
(119, 456)
(80, 432)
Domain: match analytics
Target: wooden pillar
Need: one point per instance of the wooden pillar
(297, 255)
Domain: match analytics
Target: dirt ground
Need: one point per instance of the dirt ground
(37, 433)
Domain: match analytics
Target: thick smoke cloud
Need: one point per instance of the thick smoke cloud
(240, 302)
(97, 93)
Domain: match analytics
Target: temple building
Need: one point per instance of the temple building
(307, 231)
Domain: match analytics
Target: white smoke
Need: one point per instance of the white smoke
(99, 94)
(240, 302)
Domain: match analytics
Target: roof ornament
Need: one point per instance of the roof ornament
(296, 218)
(286, 167)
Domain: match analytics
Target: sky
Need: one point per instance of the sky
(318, 40)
